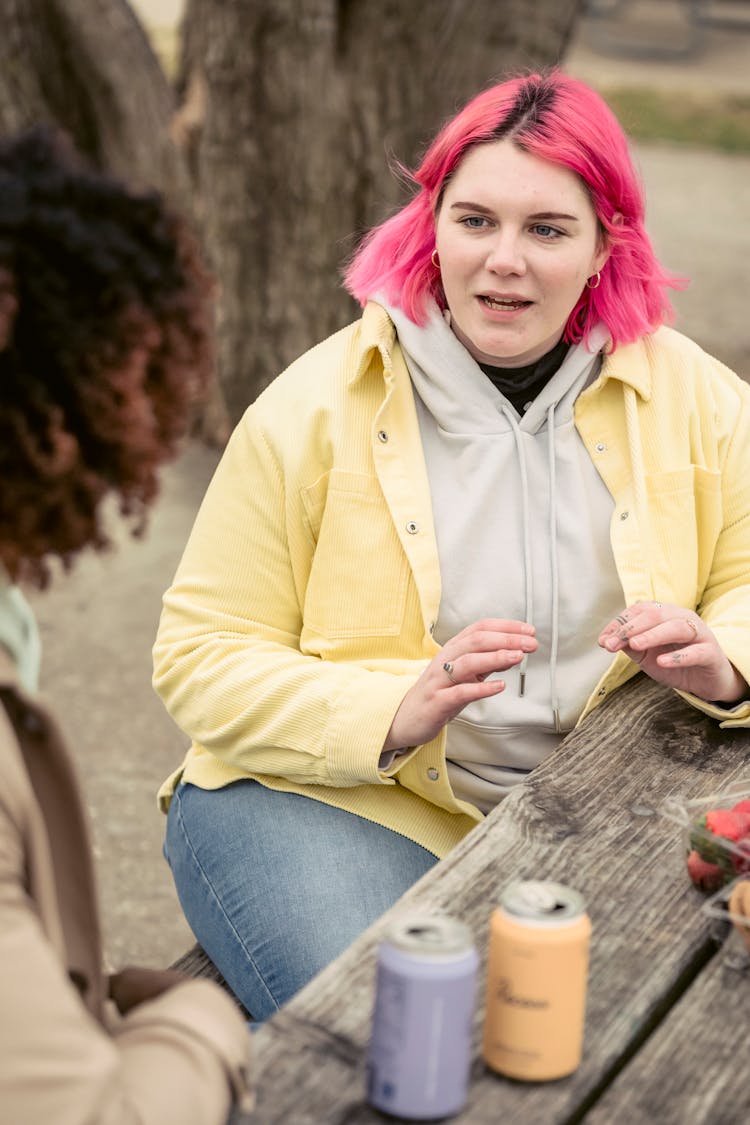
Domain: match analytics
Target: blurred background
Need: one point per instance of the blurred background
(271, 125)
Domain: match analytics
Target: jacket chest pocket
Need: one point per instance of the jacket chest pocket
(686, 519)
(359, 574)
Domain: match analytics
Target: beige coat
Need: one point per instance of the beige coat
(66, 1056)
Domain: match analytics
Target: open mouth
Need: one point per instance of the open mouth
(504, 304)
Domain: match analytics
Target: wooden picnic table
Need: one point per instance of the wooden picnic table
(667, 1018)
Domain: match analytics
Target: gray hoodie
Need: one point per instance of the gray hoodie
(522, 523)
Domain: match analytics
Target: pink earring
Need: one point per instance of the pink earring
(594, 281)
(434, 259)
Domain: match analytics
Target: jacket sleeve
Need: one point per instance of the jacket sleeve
(227, 659)
(173, 1061)
(725, 603)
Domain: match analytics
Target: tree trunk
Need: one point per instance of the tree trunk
(88, 67)
(306, 103)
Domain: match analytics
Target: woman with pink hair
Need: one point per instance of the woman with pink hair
(444, 535)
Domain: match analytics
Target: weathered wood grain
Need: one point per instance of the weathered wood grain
(586, 817)
(695, 1067)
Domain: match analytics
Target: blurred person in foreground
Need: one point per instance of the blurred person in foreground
(103, 347)
(444, 535)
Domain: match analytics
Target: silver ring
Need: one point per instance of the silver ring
(448, 669)
(692, 625)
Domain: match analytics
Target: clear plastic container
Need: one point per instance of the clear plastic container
(715, 835)
(719, 907)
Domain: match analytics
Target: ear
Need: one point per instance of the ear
(604, 246)
(601, 257)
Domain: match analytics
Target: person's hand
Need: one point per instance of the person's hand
(674, 646)
(440, 693)
(131, 987)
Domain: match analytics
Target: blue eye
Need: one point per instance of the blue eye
(546, 231)
(474, 222)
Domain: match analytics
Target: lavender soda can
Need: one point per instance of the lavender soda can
(420, 1050)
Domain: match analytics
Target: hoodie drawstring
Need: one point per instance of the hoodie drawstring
(554, 569)
(527, 562)
(525, 521)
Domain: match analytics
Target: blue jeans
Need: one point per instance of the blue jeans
(275, 885)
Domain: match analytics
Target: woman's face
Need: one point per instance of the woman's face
(517, 237)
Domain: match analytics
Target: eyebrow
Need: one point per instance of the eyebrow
(467, 205)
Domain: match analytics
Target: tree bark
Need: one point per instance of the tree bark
(87, 66)
(307, 101)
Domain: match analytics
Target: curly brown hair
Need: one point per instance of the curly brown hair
(104, 349)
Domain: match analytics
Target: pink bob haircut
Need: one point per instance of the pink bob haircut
(559, 119)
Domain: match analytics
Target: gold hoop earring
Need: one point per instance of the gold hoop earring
(597, 280)
(434, 259)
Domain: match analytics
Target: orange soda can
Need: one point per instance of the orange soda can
(536, 982)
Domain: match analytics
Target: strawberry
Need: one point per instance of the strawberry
(742, 810)
(741, 856)
(705, 876)
(726, 823)
(714, 832)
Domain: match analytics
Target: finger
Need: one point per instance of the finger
(680, 631)
(488, 642)
(489, 626)
(616, 622)
(651, 627)
(477, 666)
(691, 656)
(502, 625)
(632, 620)
(458, 696)
(634, 655)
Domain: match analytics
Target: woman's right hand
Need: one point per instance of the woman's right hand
(487, 646)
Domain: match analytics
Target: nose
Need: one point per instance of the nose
(505, 255)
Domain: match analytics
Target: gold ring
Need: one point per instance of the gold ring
(448, 669)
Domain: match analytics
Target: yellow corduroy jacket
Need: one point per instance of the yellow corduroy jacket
(302, 610)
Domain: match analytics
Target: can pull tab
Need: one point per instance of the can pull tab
(537, 898)
(426, 933)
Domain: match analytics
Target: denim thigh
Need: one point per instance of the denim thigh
(275, 885)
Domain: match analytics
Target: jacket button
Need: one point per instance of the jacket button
(624, 515)
(412, 527)
(433, 774)
(432, 627)
(600, 447)
(602, 691)
(382, 436)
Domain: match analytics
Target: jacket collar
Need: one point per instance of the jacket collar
(377, 334)
(631, 364)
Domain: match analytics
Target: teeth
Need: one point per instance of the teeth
(496, 303)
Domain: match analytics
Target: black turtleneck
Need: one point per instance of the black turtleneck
(521, 385)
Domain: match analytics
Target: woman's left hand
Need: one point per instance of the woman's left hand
(674, 646)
